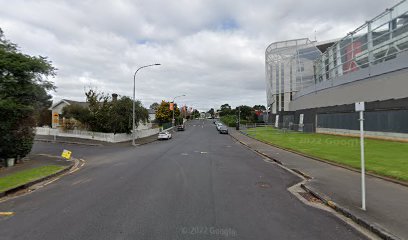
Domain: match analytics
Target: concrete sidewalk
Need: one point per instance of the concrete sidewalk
(387, 202)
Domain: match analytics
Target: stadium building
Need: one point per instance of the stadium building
(312, 86)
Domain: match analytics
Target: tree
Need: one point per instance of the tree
(121, 120)
(225, 109)
(106, 115)
(164, 114)
(211, 112)
(154, 106)
(259, 107)
(23, 92)
(196, 113)
(246, 112)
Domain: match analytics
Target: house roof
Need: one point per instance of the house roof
(69, 102)
(151, 111)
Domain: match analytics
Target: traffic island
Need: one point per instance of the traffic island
(34, 169)
(27, 178)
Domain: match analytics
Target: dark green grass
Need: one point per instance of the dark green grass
(386, 158)
(26, 176)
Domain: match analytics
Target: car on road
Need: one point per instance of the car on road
(164, 135)
(180, 127)
(218, 125)
(223, 129)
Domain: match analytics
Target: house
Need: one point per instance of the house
(152, 114)
(56, 110)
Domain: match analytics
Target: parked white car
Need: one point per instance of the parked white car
(164, 135)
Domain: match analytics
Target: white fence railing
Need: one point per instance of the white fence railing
(106, 137)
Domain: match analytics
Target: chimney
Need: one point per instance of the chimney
(114, 97)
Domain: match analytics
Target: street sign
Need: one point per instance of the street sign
(55, 118)
(361, 108)
(66, 154)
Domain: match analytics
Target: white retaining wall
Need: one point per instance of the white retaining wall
(106, 137)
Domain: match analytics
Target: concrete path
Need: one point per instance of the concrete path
(387, 202)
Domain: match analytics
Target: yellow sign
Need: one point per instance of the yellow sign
(55, 118)
(66, 154)
(171, 106)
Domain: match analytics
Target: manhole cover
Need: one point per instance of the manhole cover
(263, 185)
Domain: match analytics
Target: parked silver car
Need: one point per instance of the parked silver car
(164, 135)
(223, 129)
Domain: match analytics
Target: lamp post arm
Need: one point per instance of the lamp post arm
(134, 96)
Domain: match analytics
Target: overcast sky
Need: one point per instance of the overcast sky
(210, 50)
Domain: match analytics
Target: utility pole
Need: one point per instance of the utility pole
(174, 120)
(134, 93)
(239, 118)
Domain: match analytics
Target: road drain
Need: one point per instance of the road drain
(263, 185)
(309, 197)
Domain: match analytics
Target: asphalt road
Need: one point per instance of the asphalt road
(198, 185)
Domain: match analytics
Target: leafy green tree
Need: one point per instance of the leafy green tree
(196, 113)
(246, 112)
(164, 114)
(259, 107)
(23, 92)
(77, 112)
(229, 120)
(121, 120)
(105, 115)
(154, 106)
(211, 112)
(225, 109)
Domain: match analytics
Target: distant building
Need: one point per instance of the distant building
(152, 114)
(314, 85)
(56, 111)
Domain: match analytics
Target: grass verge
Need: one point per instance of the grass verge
(383, 157)
(17, 179)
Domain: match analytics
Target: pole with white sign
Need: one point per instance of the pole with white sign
(360, 108)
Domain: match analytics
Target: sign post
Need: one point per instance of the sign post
(301, 117)
(361, 108)
(66, 154)
(277, 121)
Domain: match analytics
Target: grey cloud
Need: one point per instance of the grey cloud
(212, 51)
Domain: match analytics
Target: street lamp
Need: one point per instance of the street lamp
(134, 92)
(174, 120)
